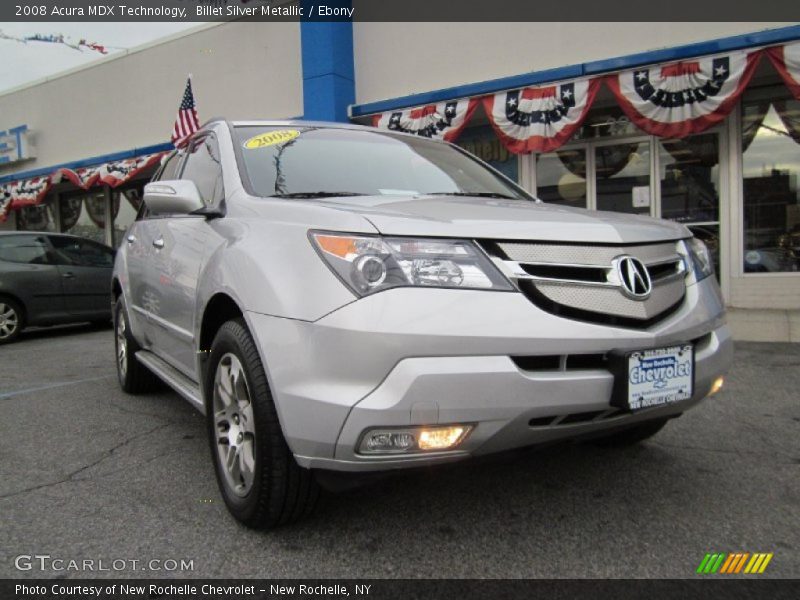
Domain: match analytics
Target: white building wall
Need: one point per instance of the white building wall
(240, 70)
(397, 59)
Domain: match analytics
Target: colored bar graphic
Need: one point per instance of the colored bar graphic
(733, 563)
(726, 567)
(718, 563)
(703, 563)
(742, 557)
(754, 563)
(764, 564)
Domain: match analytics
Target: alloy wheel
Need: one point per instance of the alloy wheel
(9, 321)
(122, 346)
(234, 425)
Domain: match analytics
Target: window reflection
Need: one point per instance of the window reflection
(771, 165)
(690, 179)
(84, 214)
(36, 218)
(128, 202)
(561, 177)
(623, 177)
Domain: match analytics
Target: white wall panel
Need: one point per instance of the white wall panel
(397, 59)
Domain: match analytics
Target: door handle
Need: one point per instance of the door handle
(131, 239)
(68, 275)
(159, 243)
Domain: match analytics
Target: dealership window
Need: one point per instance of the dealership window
(561, 177)
(84, 214)
(127, 202)
(689, 180)
(770, 172)
(484, 143)
(609, 164)
(37, 218)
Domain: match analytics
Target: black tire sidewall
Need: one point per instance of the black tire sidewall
(226, 341)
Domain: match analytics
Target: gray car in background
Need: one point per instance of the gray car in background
(339, 298)
(50, 279)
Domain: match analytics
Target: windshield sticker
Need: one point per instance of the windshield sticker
(270, 138)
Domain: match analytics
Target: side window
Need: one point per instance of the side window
(204, 168)
(96, 255)
(82, 253)
(170, 168)
(31, 249)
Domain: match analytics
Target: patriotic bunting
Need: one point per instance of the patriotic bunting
(50, 38)
(29, 192)
(540, 119)
(683, 98)
(786, 60)
(444, 120)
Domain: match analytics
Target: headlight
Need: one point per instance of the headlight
(370, 264)
(700, 261)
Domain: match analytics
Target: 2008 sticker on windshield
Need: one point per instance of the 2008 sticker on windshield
(270, 138)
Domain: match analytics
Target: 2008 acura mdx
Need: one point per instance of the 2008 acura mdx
(337, 297)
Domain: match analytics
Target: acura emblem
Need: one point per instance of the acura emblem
(633, 277)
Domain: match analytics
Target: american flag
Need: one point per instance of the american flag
(186, 123)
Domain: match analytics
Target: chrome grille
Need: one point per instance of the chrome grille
(582, 281)
(610, 301)
(563, 254)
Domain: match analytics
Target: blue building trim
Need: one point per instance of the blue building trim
(737, 42)
(88, 162)
(328, 69)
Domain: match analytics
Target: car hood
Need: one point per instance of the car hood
(472, 217)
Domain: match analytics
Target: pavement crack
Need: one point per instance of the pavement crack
(73, 475)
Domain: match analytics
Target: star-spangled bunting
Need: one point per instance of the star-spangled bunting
(684, 98)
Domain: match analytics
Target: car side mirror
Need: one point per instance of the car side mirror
(172, 197)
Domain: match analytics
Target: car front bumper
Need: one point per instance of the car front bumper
(414, 356)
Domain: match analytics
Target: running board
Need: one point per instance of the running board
(173, 378)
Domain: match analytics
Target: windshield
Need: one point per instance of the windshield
(308, 162)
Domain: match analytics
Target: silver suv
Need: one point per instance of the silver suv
(339, 298)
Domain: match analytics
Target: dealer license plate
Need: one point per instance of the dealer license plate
(655, 377)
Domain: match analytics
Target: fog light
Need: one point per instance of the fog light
(716, 386)
(413, 439)
(441, 438)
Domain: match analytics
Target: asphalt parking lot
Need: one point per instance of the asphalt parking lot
(87, 472)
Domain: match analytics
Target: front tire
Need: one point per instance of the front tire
(11, 320)
(133, 376)
(261, 483)
(632, 435)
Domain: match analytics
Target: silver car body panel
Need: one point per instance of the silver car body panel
(338, 365)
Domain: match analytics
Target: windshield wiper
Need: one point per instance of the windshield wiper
(476, 194)
(302, 195)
